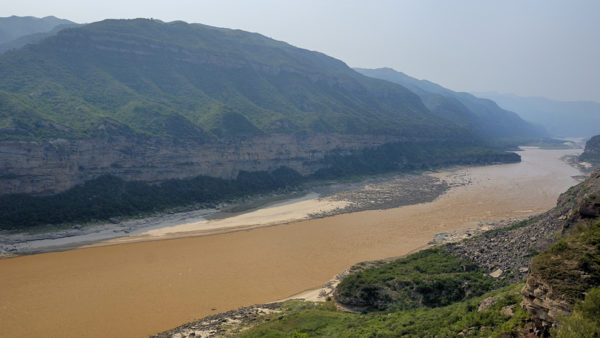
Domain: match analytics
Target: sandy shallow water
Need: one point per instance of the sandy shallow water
(140, 288)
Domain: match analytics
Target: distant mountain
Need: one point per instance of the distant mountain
(32, 38)
(562, 119)
(482, 115)
(15, 27)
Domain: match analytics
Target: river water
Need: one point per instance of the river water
(136, 289)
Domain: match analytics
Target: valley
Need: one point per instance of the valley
(178, 179)
(150, 286)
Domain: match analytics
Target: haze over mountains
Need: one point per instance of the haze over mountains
(563, 119)
(481, 115)
(15, 27)
(16, 32)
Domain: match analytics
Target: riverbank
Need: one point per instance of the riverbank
(379, 192)
(147, 287)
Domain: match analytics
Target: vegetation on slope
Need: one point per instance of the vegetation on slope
(571, 266)
(306, 319)
(585, 319)
(429, 278)
(189, 80)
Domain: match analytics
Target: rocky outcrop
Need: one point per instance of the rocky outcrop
(45, 167)
(561, 275)
(226, 324)
(591, 153)
(543, 303)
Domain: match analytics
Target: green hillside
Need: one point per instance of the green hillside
(194, 81)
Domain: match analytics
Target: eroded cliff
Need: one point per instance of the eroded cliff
(44, 167)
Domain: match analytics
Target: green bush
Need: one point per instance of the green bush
(429, 278)
(463, 317)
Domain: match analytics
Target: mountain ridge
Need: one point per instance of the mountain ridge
(560, 118)
(15, 27)
(276, 87)
(482, 115)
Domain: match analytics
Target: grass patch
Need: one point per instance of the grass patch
(431, 278)
(305, 319)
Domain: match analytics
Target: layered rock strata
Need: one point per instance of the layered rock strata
(46, 167)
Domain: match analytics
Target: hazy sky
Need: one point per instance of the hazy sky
(545, 48)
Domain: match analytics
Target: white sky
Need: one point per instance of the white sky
(545, 48)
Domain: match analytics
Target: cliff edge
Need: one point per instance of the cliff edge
(561, 276)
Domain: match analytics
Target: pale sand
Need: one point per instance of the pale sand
(142, 288)
(286, 212)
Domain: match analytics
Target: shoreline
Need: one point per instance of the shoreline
(322, 292)
(373, 193)
(211, 325)
(380, 192)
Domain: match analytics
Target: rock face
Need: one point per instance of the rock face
(44, 167)
(562, 274)
(591, 153)
(224, 324)
(544, 304)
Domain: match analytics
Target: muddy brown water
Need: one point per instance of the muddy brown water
(137, 289)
